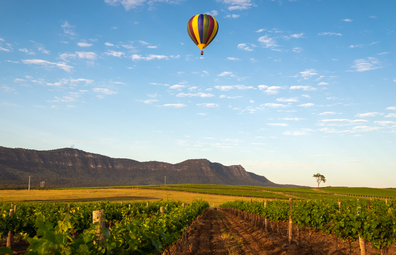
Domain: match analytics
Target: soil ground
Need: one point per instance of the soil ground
(221, 232)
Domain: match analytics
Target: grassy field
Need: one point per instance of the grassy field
(214, 194)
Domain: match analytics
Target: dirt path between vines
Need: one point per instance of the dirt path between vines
(221, 232)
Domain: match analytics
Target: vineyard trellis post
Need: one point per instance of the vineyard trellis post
(10, 237)
(362, 242)
(162, 210)
(290, 221)
(265, 219)
(99, 216)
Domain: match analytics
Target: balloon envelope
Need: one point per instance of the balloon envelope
(202, 29)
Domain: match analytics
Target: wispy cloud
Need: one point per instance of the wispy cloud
(270, 90)
(86, 54)
(278, 124)
(367, 114)
(213, 13)
(233, 59)
(84, 44)
(322, 83)
(237, 4)
(131, 4)
(199, 94)
(177, 86)
(109, 44)
(267, 42)
(234, 16)
(67, 28)
(327, 113)
(273, 105)
(229, 87)
(210, 105)
(330, 33)
(175, 105)
(27, 51)
(370, 63)
(114, 53)
(307, 105)
(104, 91)
(4, 49)
(282, 99)
(136, 57)
(246, 46)
(60, 65)
(305, 88)
(225, 73)
(347, 20)
(308, 73)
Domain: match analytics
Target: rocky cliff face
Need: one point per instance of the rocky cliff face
(75, 168)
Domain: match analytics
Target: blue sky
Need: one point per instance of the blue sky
(287, 89)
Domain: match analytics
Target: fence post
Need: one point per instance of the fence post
(10, 237)
(362, 242)
(183, 205)
(162, 210)
(99, 216)
(265, 219)
(290, 221)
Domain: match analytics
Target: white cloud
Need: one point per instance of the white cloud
(208, 105)
(391, 115)
(260, 30)
(109, 44)
(152, 47)
(273, 105)
(295, 119)
(308, 73)
(336, 120)
(177, 86)
(27, 51)
(322, 83)
(128, 4)
(153, 56)
(370, 63)
(229, 87)
(149, 101)
(392, 108)
(225, 74)
(358, 121)
(347, 20)
(330, 33)
(278, 124)
(327, 113)
(384, 122)
(86, 54)
(297, 49)
(174, 105)
(104, 91)
(4, 49)
(67, 28)
(306, 96)
(1, 39)
(267, 41)
(383, 53)
(237, 4)
(366, 128)
(282, 99)
(307, 105)
(270, 90)
(368, 114)
(295, 133)
(42, 50)
(61, 65)
(300, 35)
(356, 46)
(18, 80)
(84, 44)
(305, 88)
(65, 56)
(246, 46)
(234, 16)
(234, 59)
(213, 13)
(115, 53)
(199, 94)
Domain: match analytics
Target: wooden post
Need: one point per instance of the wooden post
(68, 208)
(290, 221)
(339, 206)
(99, 216)
(147, 204)
(15, 207)
(129, 206)
(162, 210)
(368, 204)
(10, 237)
(251, 201)
(183, 206)
(265, 219)
(29, 184)
(362, 242)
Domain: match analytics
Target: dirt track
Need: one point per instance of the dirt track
(221, 232)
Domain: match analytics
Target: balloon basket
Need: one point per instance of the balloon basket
(201, 52)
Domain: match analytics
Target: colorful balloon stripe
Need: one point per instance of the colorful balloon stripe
(202, 29)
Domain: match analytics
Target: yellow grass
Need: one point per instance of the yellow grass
(93, 195)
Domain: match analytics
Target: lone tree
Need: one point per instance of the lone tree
(319, 178)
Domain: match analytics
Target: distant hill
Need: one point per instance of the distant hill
(76, 168)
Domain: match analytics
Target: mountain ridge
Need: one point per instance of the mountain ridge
(69, 167)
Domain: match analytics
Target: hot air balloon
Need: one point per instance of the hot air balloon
(202, 29)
